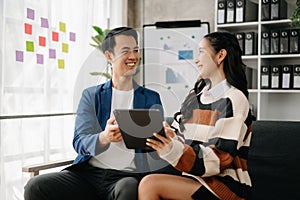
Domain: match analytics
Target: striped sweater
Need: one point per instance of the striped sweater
(217, 138)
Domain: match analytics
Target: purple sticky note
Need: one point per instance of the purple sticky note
(39, 59)
(72, 36)
(52, 53)
(44, 23)
(30, 13)
(19, 56)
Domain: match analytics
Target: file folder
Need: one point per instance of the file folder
(276, 76)
(274, 42)
(230, 11)
(265, 77)
(294, 41)
(284, 41)
(245, 11)
(240, 38)
(221, 12)
(287, 76)
(278, 9)
(265, 10)
(250, 43)
(249, 77)
(265, 42)
(296, 77)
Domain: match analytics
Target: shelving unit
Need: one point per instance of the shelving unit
(267, 104)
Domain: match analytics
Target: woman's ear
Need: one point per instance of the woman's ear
(221, 55)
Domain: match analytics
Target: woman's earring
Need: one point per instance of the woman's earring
(219, 62)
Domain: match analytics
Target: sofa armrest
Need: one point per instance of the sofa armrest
(36, 168)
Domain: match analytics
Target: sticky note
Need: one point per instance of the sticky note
(52, 53)
(30, 13)
(19, 56)
(61, 64)
(42, 41)
(62, 27)
(39, 59)
(28, 28)
(65, 47)
(72, 36)
(44, 23)
(29, 46)
(55, 36)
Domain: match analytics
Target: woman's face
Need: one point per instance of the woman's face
(206, 59)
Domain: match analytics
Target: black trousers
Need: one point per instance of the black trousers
(83, 181)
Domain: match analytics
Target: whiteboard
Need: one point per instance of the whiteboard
(168, 63)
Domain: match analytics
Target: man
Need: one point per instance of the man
(104, 167)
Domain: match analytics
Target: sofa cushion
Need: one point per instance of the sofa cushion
(274, 160)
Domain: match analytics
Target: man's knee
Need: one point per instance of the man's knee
(32, 189)
(126, 188)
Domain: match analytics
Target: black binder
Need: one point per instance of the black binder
(265, 77)
(245, 11)
(296, 77)
(250, 43)
(274, 42)
(265, 42)
(294, 41)
(249, 77)
(230, 11)
(287, 76)
(284, 41)
(240, 37)
(265, 10)
(221, 12)
(278, 9)
(276, 76)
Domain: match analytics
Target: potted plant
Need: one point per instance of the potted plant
(295, 16)
(98, 39)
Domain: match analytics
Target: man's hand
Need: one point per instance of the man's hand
(111, 133)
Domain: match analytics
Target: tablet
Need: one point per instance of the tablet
(136, 125)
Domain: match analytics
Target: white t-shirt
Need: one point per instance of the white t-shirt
(117, 156)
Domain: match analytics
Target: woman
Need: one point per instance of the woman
(215, 122)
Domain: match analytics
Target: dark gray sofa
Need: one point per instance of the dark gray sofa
(274, 160)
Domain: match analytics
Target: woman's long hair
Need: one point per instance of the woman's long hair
(234, 68)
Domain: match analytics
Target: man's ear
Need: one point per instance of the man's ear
(108, 56)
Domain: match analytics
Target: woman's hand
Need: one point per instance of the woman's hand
(161, 144)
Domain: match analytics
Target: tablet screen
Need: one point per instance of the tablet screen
(136, 125)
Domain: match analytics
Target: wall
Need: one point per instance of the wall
(158, 10)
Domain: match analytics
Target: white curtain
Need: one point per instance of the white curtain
(46, 58)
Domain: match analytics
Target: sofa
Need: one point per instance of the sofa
(274, 160)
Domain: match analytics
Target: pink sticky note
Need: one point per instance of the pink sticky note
(39, 59)
(28, 28)
(30, 13)
(72, 36)
(19, 56)
(44, 23)
(52, 53)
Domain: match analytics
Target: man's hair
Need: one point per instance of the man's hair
(109, 41)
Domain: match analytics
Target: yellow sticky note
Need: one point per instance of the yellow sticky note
(65, 47)
(29, 46)
(61, 64)
(62, 27)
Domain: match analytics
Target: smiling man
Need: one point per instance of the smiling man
(104, 167)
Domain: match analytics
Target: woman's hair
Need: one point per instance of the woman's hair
(234, 68)
(109, 41)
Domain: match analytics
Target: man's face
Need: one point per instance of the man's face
(125, 56)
